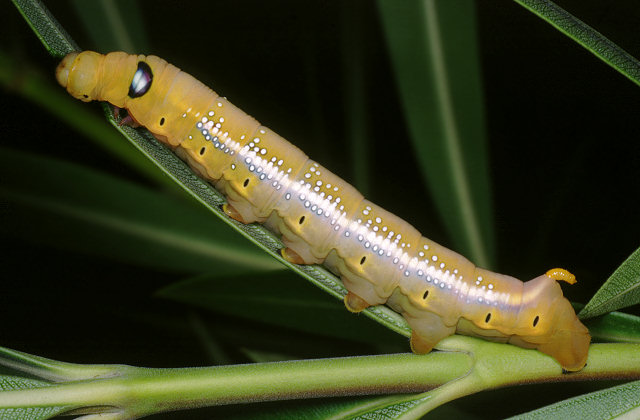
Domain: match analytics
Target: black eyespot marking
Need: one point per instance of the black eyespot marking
(425, 294)
(204, 149)
(246, 182)
(301, 221)
(363, 260)
(535, 320)
(85, 96)
(162, 121)
(141, 82)
(488, 318)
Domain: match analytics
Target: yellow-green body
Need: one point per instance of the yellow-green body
(323, 219)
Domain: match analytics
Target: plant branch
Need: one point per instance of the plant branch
(469, 365)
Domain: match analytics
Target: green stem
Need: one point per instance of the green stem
(475, 365)
(611, 360)
(141, 390)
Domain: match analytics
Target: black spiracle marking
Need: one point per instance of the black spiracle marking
(535, 320)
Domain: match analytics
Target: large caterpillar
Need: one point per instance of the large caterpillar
(323, 219)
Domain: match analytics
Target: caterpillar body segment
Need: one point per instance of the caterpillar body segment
(322, 219)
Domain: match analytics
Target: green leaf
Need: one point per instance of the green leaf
(14, 363)
(617, 402)
(392, 408)
(53, 99)
(620, 290)
(585, 35)
(311, 409)
(53, 36)
(435, 59)
(105, 215)
(31, 413)
(202, 191)
(114, 25)
(615, 327)
(276, 298)
(352, 28)
(8, 382)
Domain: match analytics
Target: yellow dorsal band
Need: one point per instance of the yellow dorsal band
(561, 274)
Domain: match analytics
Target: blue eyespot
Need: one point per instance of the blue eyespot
(141, 82)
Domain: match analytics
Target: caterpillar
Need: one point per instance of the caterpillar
(324, 220)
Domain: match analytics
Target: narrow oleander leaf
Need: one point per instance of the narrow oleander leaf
(383, 407)
(101, 214)
(30, 413)
(8, 382)
(392, 408)
(277, 298)
(620, 290)
(114, 25)
(616, 327)
(434, 54)
(46, 371)
(353, 30)
(586, 36)
(32, 85)
(52, 35)
(618, 402)
(203, 192)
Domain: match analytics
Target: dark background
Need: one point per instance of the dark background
(558, 120)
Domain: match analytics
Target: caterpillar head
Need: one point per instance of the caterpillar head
(91, 76)
(77, 73)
